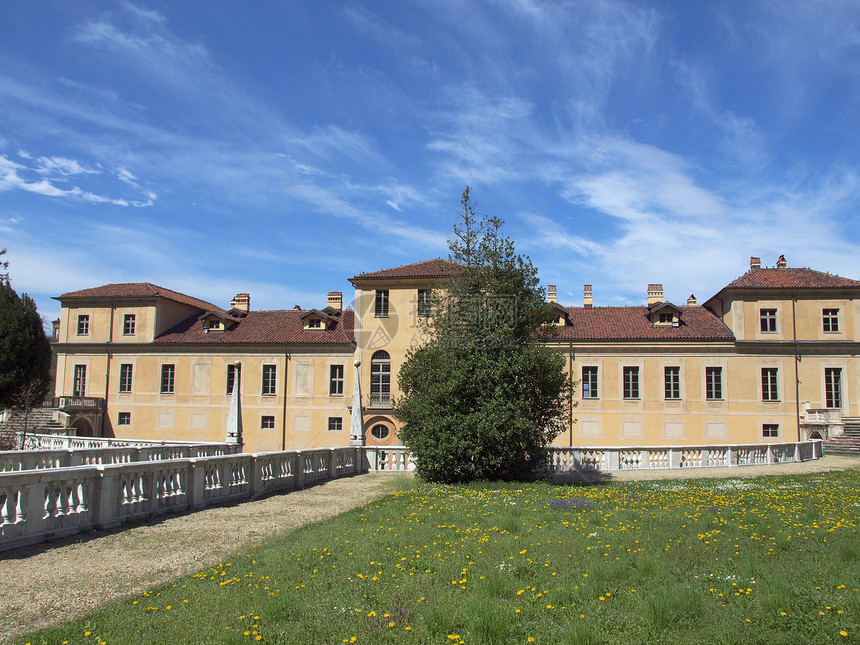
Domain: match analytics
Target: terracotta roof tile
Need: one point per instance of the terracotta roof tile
(263, 327)
(436, 268)
(138, 290)
(791, 278)
(634, 323)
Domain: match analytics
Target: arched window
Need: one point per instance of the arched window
(379, 432)
(380, 378)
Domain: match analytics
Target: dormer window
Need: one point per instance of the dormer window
(561, 315)
(664, 314)
(316, 320)
(212, 321)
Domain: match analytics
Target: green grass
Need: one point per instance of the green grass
(763, 560)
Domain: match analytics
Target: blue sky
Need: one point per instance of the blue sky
(281, 147)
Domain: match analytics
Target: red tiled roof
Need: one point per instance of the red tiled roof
(436, 268)
(138, 290)
(634, 323)
(275, 326)
(791, 278)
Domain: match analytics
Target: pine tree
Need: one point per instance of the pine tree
(485, 396)
(25, 353)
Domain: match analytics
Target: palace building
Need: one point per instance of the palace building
(756, 363)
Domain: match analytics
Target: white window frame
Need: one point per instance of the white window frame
(592, 388)
(381, 303)
(770, 386)
(336, 378)
(269, 380)
(830, 320)
(126, 378)
(129, 321)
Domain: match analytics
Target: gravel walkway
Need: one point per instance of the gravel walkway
(46, 584)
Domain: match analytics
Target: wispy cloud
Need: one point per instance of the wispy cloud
(62, 166)
(11, 179)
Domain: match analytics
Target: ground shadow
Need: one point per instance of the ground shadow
(580, 477)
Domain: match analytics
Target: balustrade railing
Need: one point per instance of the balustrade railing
(58, 441)
(66, 457)
(44, 503)
(563, 460)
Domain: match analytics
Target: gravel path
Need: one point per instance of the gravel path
(42, 585)
(70, 578)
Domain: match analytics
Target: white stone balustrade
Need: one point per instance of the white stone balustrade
(389, 458)
(565, 460)
(60, 442)
(65, 457)
(39, 504)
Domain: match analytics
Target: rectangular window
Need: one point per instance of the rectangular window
(128, 325)
(768, 384)
(381, 310)
(335, 381)
(125, 373)
(767, 319)
(631, 382)
(666, 318)
(830, 318)
(270, 379)
(231, 378)
(423, 302)
(123, 419)
(267, 423)
(672, 382)
(589, 383)
(770, 431)
(314, 323)
(80, 385)
(713, 383)
(833, 387)
(83, 325)
(335, 424)
(168, 373)
(380, 378)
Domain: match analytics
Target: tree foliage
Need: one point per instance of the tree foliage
(25, 353)
(484, 397)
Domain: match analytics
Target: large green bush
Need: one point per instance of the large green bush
(484, 397)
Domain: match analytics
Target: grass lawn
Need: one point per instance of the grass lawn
(761, 560)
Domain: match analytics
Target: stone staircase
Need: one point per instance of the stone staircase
(41, 420)
(849, 442)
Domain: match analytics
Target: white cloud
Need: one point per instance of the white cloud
(123, 174)
(11, 179)
(665, 226)
(62, 166)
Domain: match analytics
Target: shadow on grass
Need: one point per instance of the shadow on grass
(581, 477)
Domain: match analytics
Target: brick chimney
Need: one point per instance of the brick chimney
(242, 302)
(335, 300)
(691, 301)
(551, 293)
(587, 300)
(655, 293)
(755, 263)
(781, 263)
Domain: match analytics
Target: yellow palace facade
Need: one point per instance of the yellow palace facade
(769, 352)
